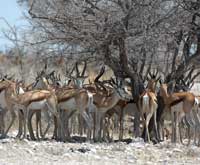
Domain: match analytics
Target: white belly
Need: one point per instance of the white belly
(178, 107)
(69, 104)
(38, 104)
(2, 100)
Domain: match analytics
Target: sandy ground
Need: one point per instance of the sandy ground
(23, 152)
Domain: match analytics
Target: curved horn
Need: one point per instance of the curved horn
(156, 72)
(11, 77)
(100, 74)
(70, 73)
(77, 71)
(158, 78)
(151, 75)
(160, 81)
(84, 68)
(45, 66)
(112, 80)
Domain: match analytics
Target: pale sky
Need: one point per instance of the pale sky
(13, 13)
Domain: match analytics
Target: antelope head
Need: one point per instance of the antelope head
(79, 79)
(163, 89)
(40, 81)
(55, 79)
(8, 84)
(152, 80)
(100, 85)
(4, 82)
(120, 88)
(19, 87)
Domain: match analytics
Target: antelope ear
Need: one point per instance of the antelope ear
(160, 81)
(84, 77)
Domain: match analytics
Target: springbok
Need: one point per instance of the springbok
(104, 97)
(21, 89)
(148, 104)
(188, 101)
(36, 99)
(101, 102)
(104, 103)
(118, 109)
(71, 99)
(4, 85)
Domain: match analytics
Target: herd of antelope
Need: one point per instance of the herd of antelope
(94, 103)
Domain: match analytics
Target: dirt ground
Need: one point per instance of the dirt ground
(23, 152)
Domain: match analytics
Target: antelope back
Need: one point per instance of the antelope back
(3, 85)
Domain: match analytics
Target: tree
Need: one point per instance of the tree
(130, 36)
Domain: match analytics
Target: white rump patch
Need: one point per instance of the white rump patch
(146, 99)
(196, 101)
(21, 91)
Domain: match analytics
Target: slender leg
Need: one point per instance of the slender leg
(160, 130)
(30, 128)
(48, 124)
(81, 125)
(21, 119)
(55, 132)
(147, 125)
(155, 122)
(121, 127)
(13, 116)
(38, 120)
(180, 132)
(106, 128)
(66, 127)
(40, 124)
(94, 125)
(89, 132)
(137, 123)
(99, 116)
(144, 125)
(88, 120)
(188, 117)
(2, 124)
(197, 123)
(59, 120)
(173, 127)
(189, 138)
(25, 121)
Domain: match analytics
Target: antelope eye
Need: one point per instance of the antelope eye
(58, 84)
